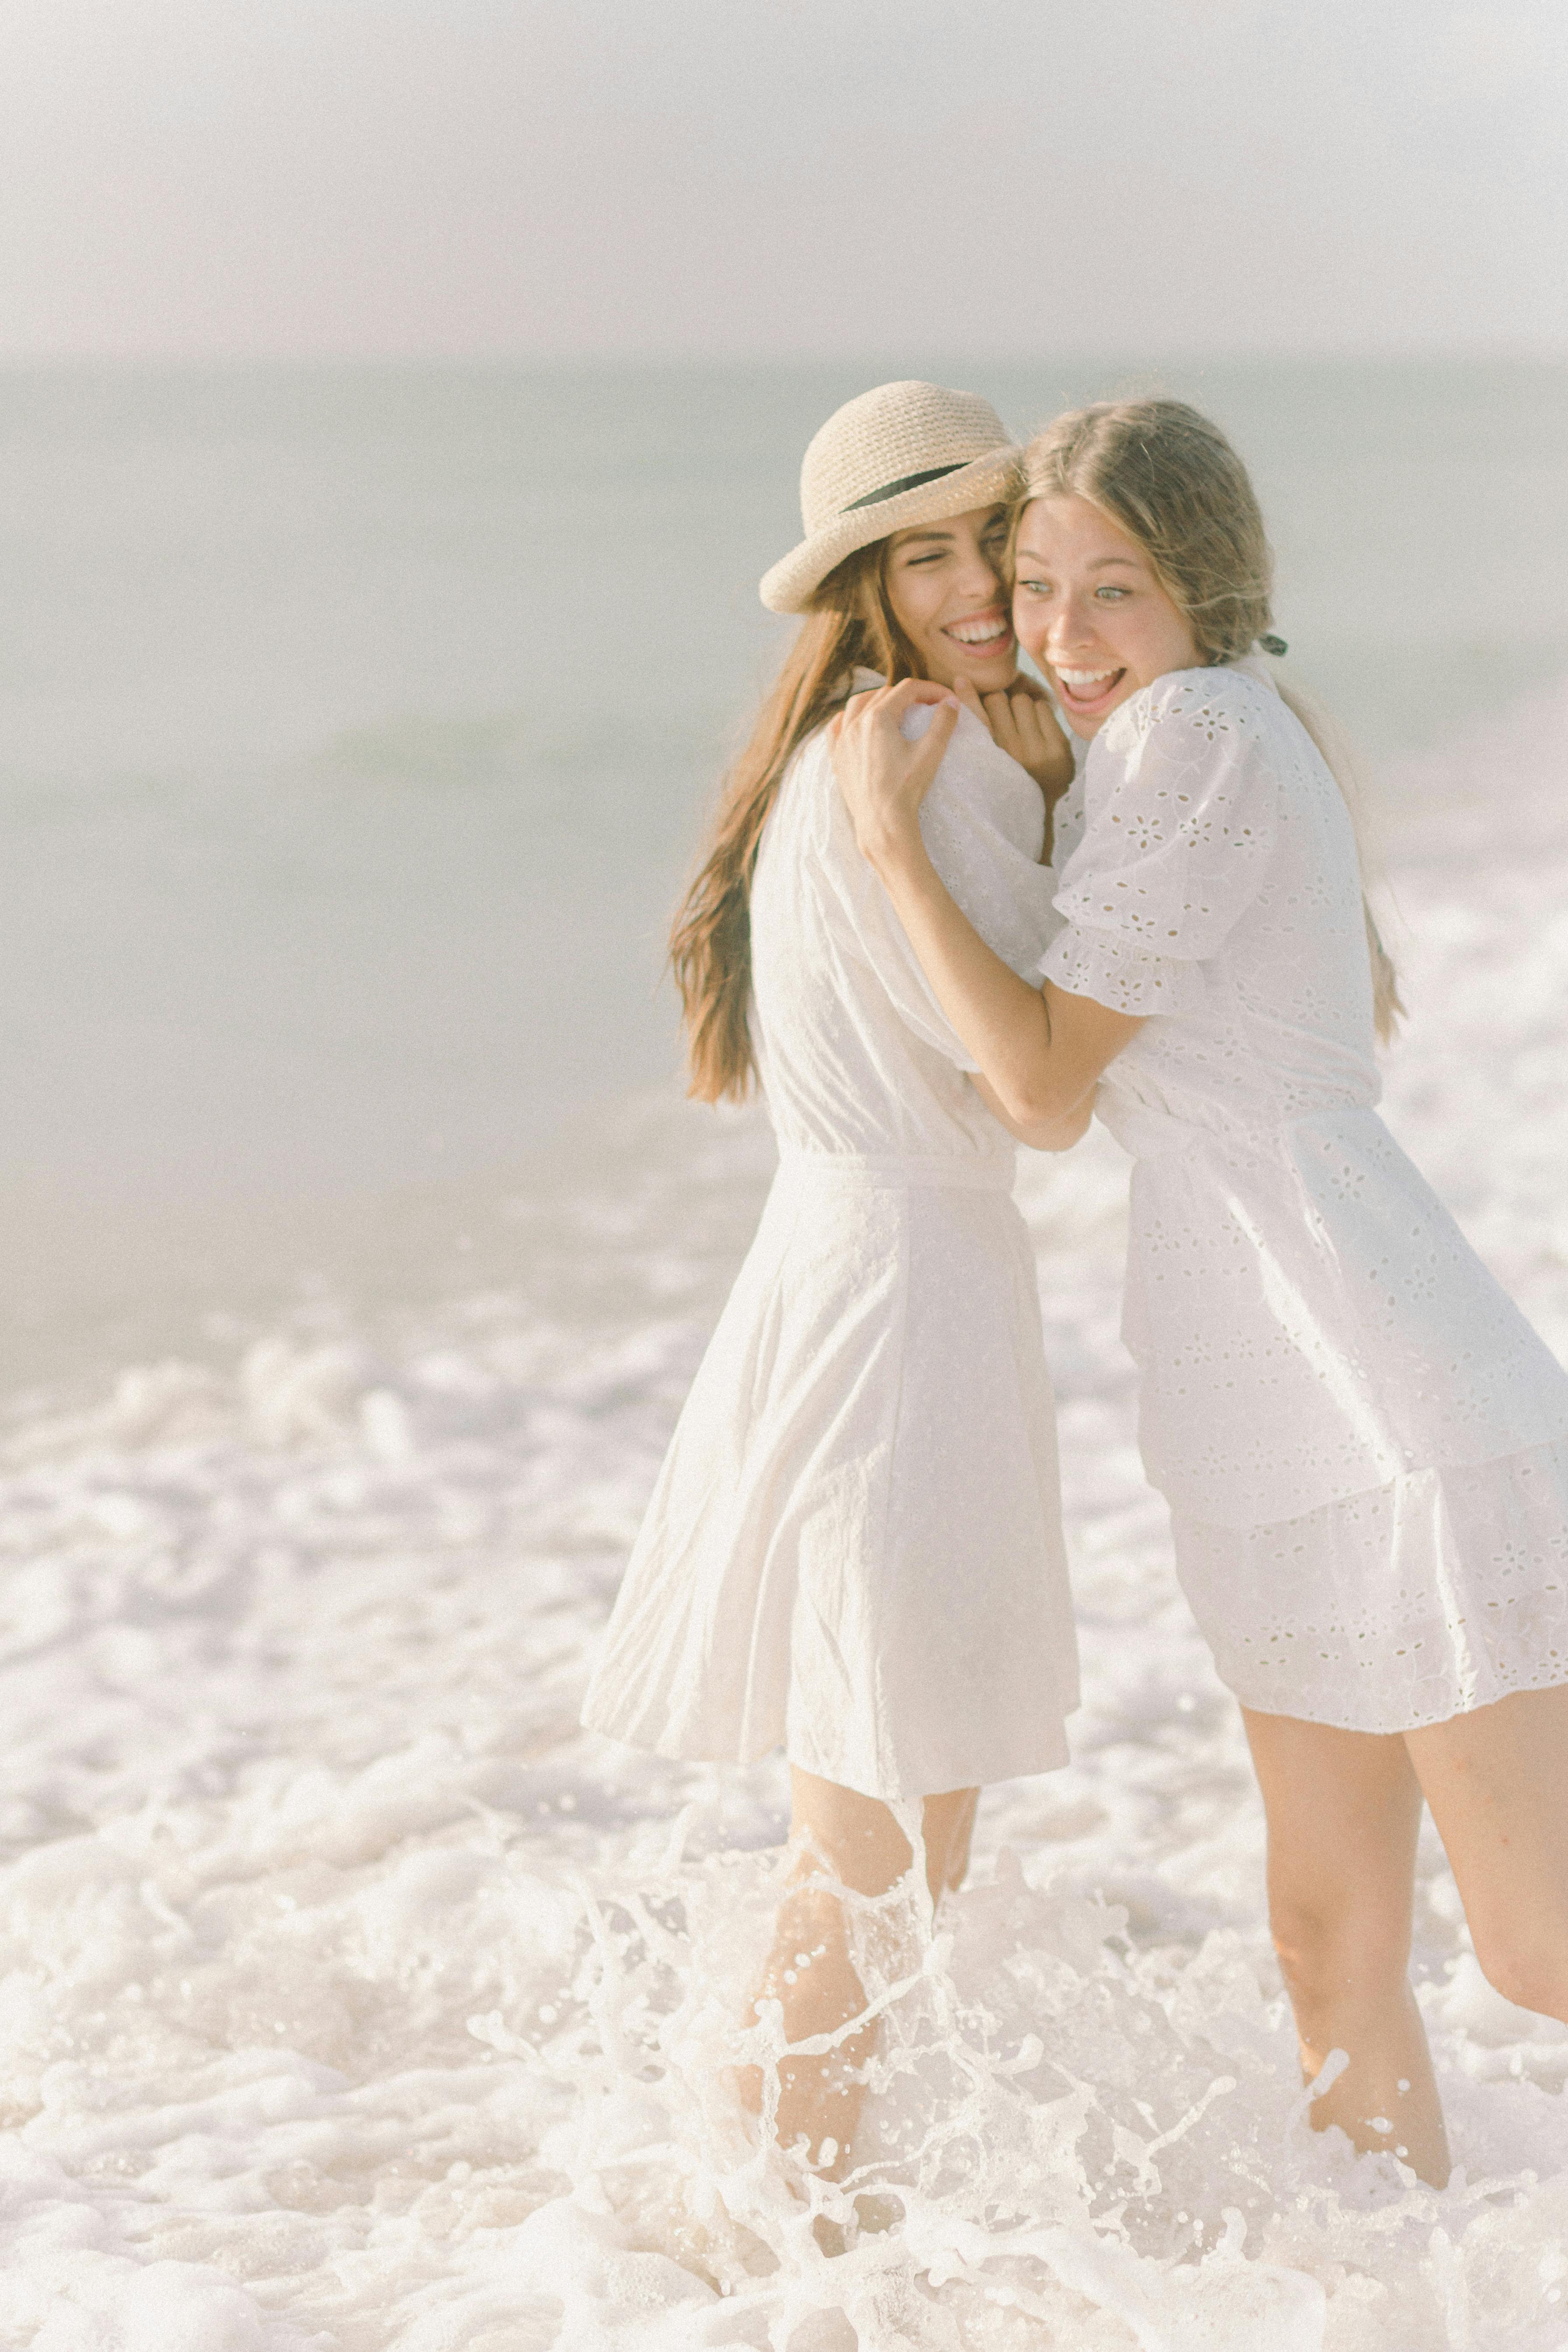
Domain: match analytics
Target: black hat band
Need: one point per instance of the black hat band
(905, 482)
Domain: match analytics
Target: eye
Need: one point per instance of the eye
(1033, 587)
(1107, 592)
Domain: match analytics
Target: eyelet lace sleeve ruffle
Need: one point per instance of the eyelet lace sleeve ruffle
(1102, 965)
(1180, 816)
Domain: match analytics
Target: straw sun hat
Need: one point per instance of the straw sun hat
(903, 454)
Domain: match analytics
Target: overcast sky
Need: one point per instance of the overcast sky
(781, 178)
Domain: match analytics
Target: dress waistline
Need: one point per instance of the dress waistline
(892, 1172)
(1152, 1134)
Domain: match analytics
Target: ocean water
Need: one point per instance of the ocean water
(357, 732)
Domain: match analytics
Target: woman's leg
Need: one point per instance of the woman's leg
(955, 1818)
(839, 1835)
(1344, 1809)
(1497, 1781)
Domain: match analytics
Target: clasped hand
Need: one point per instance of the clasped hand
(884, 777)
(1024, 725)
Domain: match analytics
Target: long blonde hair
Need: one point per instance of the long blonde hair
(1171, 481)
(849, 625)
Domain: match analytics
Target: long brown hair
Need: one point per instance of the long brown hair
(849, 625)
(1171, 481)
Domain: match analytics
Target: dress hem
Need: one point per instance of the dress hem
(672, 1751)
(1556, 1679)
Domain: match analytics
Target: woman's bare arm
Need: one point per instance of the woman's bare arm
(1040, 1050)
(1045, 1134)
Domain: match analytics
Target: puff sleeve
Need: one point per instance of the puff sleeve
(1180, 817)
(983, 825)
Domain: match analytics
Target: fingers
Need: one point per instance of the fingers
(872, 701)
(887, 706)
(1054, 765)
(923, 759)
(910, 691)
(883, 776)
(1029, 726)
(1001, 718)
(931, 747)
(1022, 722)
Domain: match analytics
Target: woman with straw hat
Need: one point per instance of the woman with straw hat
(855, 1547)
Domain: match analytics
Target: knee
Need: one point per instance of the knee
(1531, 1973)
(1328, 1953)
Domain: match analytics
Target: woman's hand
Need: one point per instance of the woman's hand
(883, 777)
(1023, 724)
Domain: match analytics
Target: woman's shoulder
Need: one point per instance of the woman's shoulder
(809, 768)
(1191, 706)
(810, 810)
(983, 806)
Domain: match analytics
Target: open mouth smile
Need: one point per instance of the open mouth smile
(1086, 690)
(982, 634)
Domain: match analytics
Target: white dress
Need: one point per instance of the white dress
(855, 1543)
(1363, 1444)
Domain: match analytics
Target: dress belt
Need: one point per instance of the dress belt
(892, 1171)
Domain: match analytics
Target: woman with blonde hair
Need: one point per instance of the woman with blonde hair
(854, 1546)
(1363, 1444)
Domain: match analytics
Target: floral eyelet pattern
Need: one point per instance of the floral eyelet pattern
(1315, 1334)
(1440, 1592)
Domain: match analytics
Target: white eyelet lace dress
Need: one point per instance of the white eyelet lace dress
(855, 1543)
(1363, 1444)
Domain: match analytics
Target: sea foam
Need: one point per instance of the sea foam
(351, 1997)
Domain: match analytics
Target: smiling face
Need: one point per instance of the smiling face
(943, 583)
(1090, 609)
